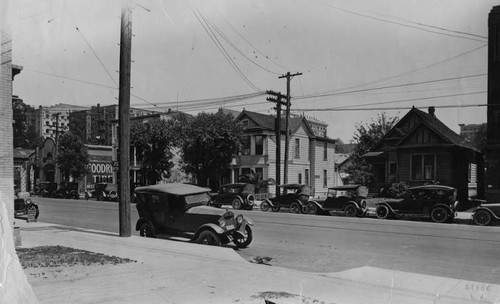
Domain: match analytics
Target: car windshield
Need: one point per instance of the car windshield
(199, 198)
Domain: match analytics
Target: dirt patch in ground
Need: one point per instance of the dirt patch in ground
(59, 262)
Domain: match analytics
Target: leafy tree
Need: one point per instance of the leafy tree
(256, 179)
(24, 137)
(210, 141)
(153, 141)
(366, 137)
(72, 156)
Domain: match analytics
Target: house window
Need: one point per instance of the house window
(244, 123)
(246, 146)
(325, 178)
(423, 167)
(297, 148)
(245, 171)
(306, 177)
(392, 168)
(259, 172)
(259, 145)
(325, 151)
(300, 178)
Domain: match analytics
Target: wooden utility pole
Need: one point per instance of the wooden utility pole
(288, 77)
(278, 100)
(124, 110)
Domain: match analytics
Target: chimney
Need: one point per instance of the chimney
(432, 110)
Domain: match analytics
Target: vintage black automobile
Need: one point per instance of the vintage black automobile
(46, 189)
(238, 195)
(349, 198)
(180, 210)
(435, 201)
(486, 214)
(293, 196)
(23, 206)
(103, 192)
(67, 190)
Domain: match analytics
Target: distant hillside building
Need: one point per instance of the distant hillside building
(53, 121)
(94, 125)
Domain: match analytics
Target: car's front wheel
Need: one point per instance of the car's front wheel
(311, 208)
(147, 230)
(295, 207)
(350, 210)
(265, 205)
(439, 215)
(209, 237)
(237, 203)
(382, 212)
(243, 242)
(482, 217)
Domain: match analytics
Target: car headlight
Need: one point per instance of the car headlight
(239, 219)
(222, 223)
(28, 201)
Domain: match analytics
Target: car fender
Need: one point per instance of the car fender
(211, 226)
(270, 202)
(487, 209)
(320, 207)
(388, 206)
(142, 221)
(444, 206)
(248, 220)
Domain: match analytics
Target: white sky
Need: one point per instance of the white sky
(336, 44)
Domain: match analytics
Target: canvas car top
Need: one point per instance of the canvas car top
(432, 187)
(235, 185)
(173, 188)
(291, 185)
(345, 187)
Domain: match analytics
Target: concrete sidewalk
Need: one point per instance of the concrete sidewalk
(178, 272)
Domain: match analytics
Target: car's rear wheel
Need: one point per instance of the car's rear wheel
(440, 215)
(311, 208)
(209, 237)
(147, 230)
(265, 205)
(382, 212)
(350, 210)
(295, 207)
(250, 201)
(482, 217)
(236, 203)
(244, 241)
(100, 197)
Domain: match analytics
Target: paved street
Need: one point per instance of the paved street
(328, 244)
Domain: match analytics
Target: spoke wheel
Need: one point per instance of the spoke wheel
(236, 204)
(209, 237)
(245, 241)
(482, 217)
(276, 209)
(350, 210)
(439, 215)
(147, 230)
(311, 208)
(295, 207)
(264, 206)
(382, 212)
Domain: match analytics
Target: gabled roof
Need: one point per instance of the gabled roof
(22, 153)
(430, 121)
(266, 122)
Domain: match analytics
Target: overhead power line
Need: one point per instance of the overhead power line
(96, 56)
(398, 108)
(387, 87)
(353, 108)
(445, 32)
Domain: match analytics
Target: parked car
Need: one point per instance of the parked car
(22, 206)
(180, 209)
(349, 198)
(67, 190)
(293, 196)
(486, 214)
(435, 201)
(239, 195)
(46, 189)
(103, 192)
